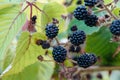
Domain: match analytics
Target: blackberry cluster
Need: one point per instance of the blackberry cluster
(115, 28)
(59, 54)
(86, 60)
(91, 20)
(51, 31)
(74, 49)
(80, 13)
(78, 37)
(90, 3)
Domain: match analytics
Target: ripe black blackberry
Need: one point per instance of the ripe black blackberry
(59, 54)
(91, 20)
(74, 49)
(115, 28)
(45, 45)
(51, 31)
(90, 3)
(80, 13)
(86, 60)
(78, 37)
(74, 28)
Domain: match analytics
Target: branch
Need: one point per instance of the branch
(109, 12)
(99, 69)
(40, 10)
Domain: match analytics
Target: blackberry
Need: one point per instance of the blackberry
(115, 28)
(80, 13)
(91, 20)
(59, 54)
(74, 49)
(90, 3)
(86, 60)
(45, 45)
(74, 28)
(78, 37)
(51, 30)
(33, 19)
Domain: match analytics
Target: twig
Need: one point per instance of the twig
(109, 12)
(57, 41)
(41, 10)
(99, 69)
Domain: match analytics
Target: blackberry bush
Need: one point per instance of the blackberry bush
(59, 54)
(91, 20)
(86, 60)
(78, 37)
(51, 30)
(80, 13)
(115, 28)
(90, 3)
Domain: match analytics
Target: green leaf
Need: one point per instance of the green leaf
(36, 71)
(82, 26)
(53, 10)
(107, 1)
(99, 43)
(26, 52)
(116, 12)
(7, 13)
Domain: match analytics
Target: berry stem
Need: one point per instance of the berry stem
(57, 41)
(109, 12)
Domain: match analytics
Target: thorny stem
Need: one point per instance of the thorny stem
(109, 12)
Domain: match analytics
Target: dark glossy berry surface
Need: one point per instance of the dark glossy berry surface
(45, 45)
(91, 20)
(74, 28)
(78, 37)
(86, 60)
(59, 54)
(51, 31)
(80, 13)
(90, 3)
(115, 28)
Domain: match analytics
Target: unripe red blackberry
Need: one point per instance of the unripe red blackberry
(115, 28)
(59, 54)
(51, 30)
(80, 13)
(78, 37)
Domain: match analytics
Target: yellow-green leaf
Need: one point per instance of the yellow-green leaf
(26, 52)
